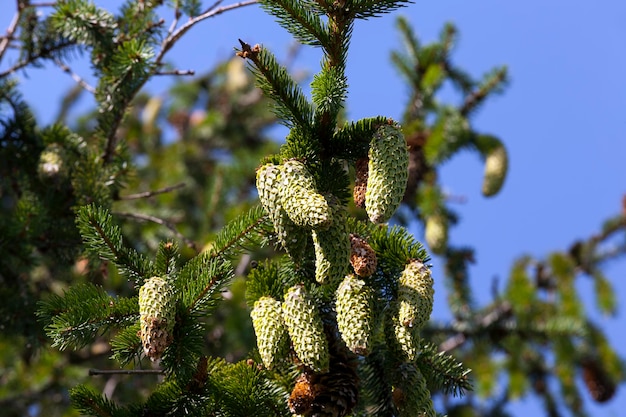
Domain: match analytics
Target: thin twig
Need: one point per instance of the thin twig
(74, 76)
(93, 372)
(11, 30)
(45, 4)
(176, 72)
(30, 59)
(169, 42)
(162, 222)
(147, 194)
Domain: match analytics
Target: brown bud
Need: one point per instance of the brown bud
(360, 182)
(362, 256)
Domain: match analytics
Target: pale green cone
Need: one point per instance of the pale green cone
(270, 330)
(292, 237)
(157, 314)
(301, 201)
(306, 329)
(412, 307)
(332, 247)
(354, 314)
(436, 233)
(496, 166)
(415, 295)
(387, 173)
(410, 393)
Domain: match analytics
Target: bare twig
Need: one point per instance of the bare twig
(74, 76)
(176, 72)
(147, 194)
(162, 222)
(30, 59)
(11, 30)
(93, 372)
(43, 4)
(169, 41)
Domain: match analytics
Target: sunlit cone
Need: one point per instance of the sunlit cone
(157, 311)
(292, 237)
(410, 393)
(270, 330)
(411, 310)
(436, 233)
(387, 173)
(51, 165)
(496, 166)
(362, 256)
(332, 247)
(306, 329)
(354, 314)
(415, 295)
(301, 201)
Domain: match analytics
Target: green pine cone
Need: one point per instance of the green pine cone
(354, 314)
(415, 296)
(412, 308)
(270, 330)
(51, 163)
(387, 173)
(436, 233)
(410, 393)
(292, 237)
(306, 329)
(332, 247)
(301, 201)
(157, 315)
(496, 166)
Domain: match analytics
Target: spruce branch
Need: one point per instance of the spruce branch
(95, 372)
(365, 9)
(302, 22)
(103, 240)
(290, 104)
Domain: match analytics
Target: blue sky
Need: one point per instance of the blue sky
(562, 119)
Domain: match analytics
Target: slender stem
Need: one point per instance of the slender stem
(93, 372)
(162, 222)
(74, 76)
(11, 30)
(176, 72)
(147, 194)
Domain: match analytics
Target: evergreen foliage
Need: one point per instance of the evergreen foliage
(91, 261)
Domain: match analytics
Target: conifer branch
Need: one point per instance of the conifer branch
(43, 54)
(162, 222)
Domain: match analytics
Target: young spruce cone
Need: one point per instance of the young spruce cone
(410, 393)
(496, 166)
(414, 306)
(306, 329)
(292, 237)
(157, 311)
(354, 314)
(436, 233)
(332, 247)
(331, 394)
(270, 330)
(303, 204)
(387, 173)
